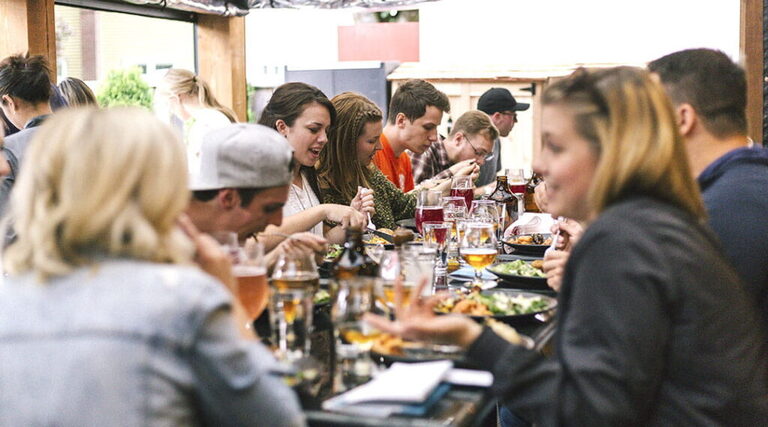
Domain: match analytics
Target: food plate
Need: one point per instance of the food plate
(527, 249)
(539, 304)
(388, 349)
(519, 281)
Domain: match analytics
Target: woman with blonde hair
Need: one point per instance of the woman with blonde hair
(190, 99)
(654, 326)
(346, 164)
(104, 316)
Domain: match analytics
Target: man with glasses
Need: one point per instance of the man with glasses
(469, 146)
(502, 108)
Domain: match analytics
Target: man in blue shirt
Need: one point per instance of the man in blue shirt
(709, 94)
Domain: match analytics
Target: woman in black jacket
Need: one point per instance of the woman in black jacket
(654, 326)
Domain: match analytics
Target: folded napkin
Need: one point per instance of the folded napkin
(530, 222)
(468, 273)
(406, 389)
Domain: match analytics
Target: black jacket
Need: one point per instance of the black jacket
(655, 329)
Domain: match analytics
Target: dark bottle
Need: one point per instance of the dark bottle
(502, 194)
(354, 261)
(530, 186)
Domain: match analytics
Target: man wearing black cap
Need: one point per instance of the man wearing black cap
(502, 107)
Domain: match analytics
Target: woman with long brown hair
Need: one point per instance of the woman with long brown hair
(346, 164)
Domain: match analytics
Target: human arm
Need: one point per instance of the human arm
(303, 221)
(299, 243)
(393, 204)
(213, 260)
(233, 382)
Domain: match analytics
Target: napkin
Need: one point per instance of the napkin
(402, 382)
(468, 273)
(530, 222)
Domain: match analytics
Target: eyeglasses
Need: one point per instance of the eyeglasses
(481, 154)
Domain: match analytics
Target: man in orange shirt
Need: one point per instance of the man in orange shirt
(415, 111)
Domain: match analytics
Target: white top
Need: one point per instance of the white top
(300, 199)
(195, 128)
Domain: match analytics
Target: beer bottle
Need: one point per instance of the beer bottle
(530, 186)
(502, 194)
(354, 261)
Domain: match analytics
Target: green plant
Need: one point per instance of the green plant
(125, 87)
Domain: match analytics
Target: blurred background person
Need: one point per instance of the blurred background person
(76, 92)
(25, 94)
(647, 302)
(190, 100)
(709, 93)
(502, 108)
(302, 114)
(243, 186)
(467, 147)
(346, 164)
(101, 276)
(415, 111)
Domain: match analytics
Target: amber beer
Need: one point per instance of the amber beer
(478, 258)
(299, 281)
(252, 288)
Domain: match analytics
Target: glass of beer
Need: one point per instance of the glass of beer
(428, 207)
(478, 247)
(294, 283)
(462, 186)
(251, 275)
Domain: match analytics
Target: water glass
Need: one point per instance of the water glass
(294, 283)
(354, 337)
(436, 237)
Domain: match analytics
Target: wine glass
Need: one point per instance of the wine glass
(294, 283)
(428, 207)
(436, 237)
(462, 186)
(478, 248)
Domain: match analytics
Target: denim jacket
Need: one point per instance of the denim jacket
(131, 343)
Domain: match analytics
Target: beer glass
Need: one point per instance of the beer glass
(478, 248)
(251, 274)
(354, 337)
(294, 283)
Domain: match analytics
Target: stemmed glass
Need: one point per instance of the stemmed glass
(478, 248)
(354, 337)
(294, 283)
(461, 186)
(436, 236)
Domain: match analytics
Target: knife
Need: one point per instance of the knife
(385, 236)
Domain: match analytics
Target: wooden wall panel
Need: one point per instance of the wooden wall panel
(28, 25)
(221, 59)
(751, 43)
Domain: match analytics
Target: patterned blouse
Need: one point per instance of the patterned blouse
(392, 204)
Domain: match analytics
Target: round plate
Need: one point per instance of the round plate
(421, 355)
(521, 282)
(533, 250)
(513, 319)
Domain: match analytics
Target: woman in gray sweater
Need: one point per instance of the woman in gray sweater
(104, 319)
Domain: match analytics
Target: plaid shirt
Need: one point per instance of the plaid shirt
(433, 163)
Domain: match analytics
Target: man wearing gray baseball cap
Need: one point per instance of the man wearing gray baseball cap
(242, 185)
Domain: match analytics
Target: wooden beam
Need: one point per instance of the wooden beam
(751, 44)
(28, 26)
(221, 59)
